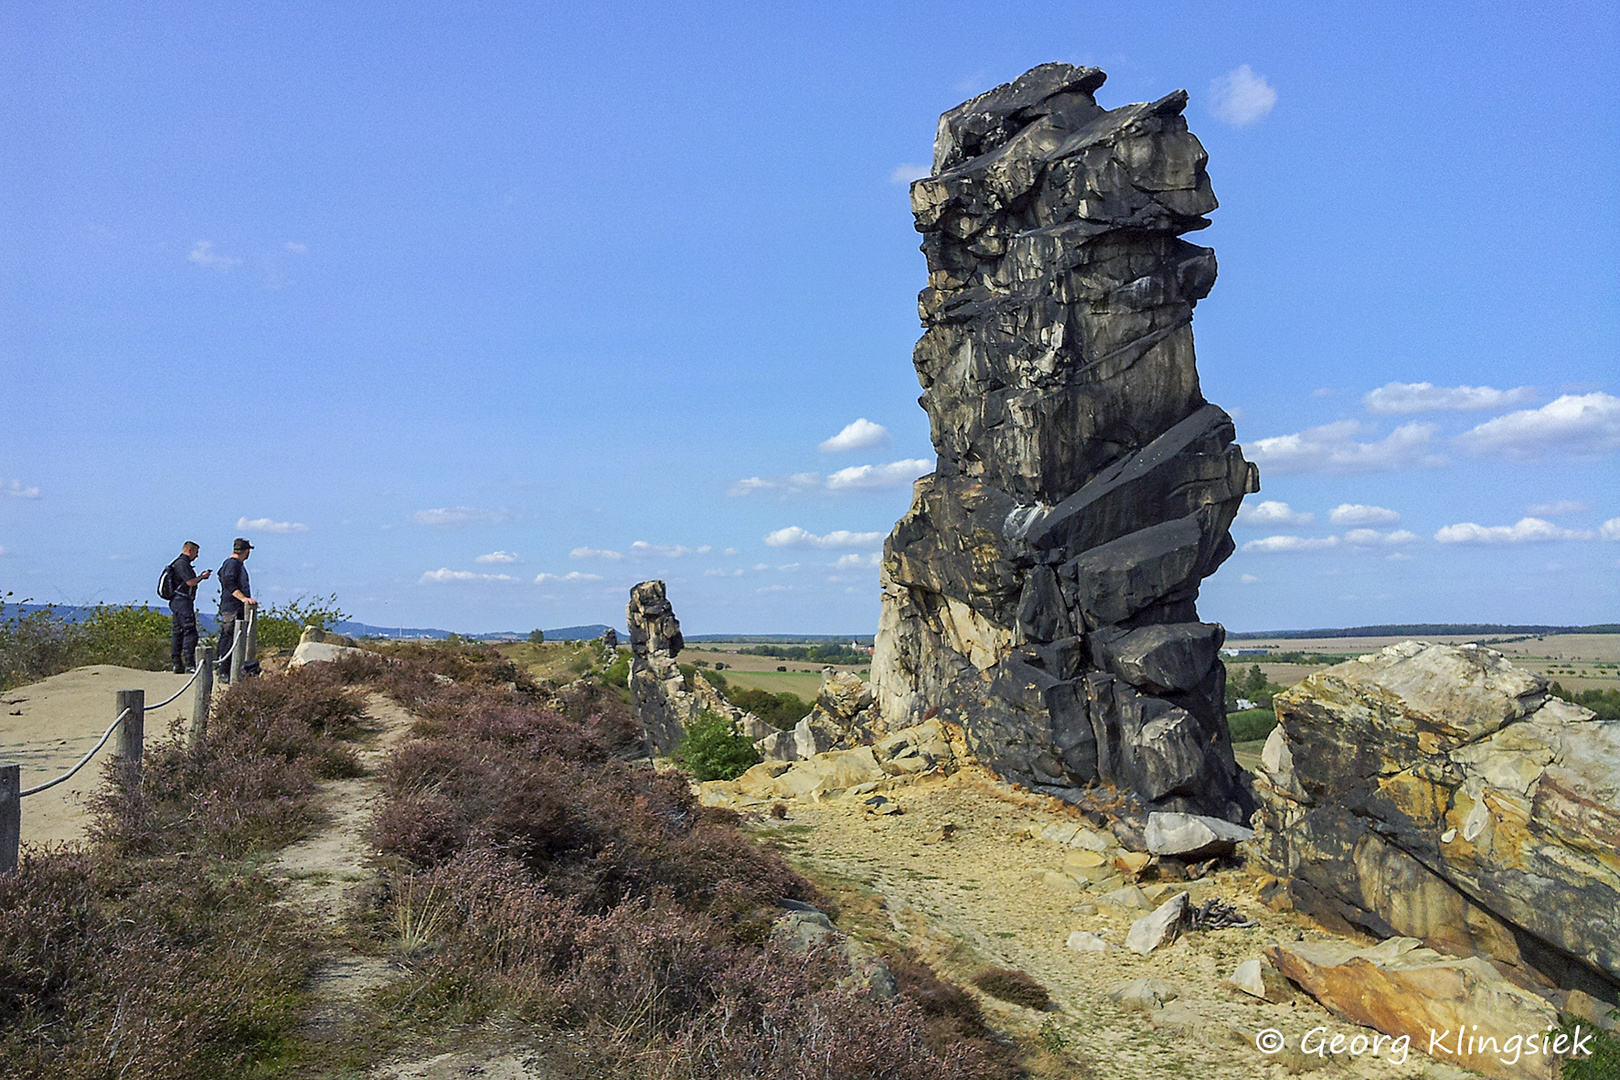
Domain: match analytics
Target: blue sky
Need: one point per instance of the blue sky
(477, 314)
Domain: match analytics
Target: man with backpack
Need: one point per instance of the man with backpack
(178, 585)
(235, 597)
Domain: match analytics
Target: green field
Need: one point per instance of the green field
(807, 684)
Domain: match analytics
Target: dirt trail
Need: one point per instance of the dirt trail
(48, 726)
(996, 889)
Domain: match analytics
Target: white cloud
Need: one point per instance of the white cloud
(1400, 397)
(1291, 543)
(643, 550)
(853, 561)
(203, 254)
(15, 490)
(857, 435)
(594, 553)
(572, 575)
(722, 573)
(894, 474)
(1241, 97)
(731, 551)
(1557, 508)
(793, 536)
(444, 574)
(460, 515)
(1374, 538)
(1333, 448)
(1270, 513)
(1362, 514)
(265, 525)
(804, 481)
(1524, 531)
(1249, 579)
(1610, 530)
(906, 173)
(774, 588)
(749, 485)
(1398, 556)
(1572, 424)
(295, 247)
(497, 557)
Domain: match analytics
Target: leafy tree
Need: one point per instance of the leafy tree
(537, 637)
(280, 626)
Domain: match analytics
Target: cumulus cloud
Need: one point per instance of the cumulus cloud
(1610, 530)
(1272, 513)
(857, 435)
(460, 515)
(906, 173)
(1573, 424)
(894, 474)
(805, 481)
(1524, 531)
(1362, 514)
(853, 561)
(14, 489)
(1249, 579)
(1374, 538)
(203, 254)
(1333, 448)
(1557, 508)
(793, 536)
(1400, 397)
(595, 553)
(1271, 544)
(497, 557)
(444, 574)
(643, 550)
(774, 588)
(722, 573)
(266, 525)
(572, 575)
(1240, 97)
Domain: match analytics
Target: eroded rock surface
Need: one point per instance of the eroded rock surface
(1040, 591)
(1437, 792)
(663, 702)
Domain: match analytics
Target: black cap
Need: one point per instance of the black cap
(239, 544)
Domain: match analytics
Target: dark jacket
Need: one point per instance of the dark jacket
(233, 575)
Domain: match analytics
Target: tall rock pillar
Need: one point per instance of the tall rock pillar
(1040, 591)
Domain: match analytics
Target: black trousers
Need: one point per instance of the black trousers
(183, 643)
(227, 631)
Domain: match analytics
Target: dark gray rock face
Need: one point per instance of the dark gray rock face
(1041, 589)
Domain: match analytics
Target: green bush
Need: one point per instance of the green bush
(1250, 725)
(781, 710)
(713, 751)
(41, 643)
(281, 626)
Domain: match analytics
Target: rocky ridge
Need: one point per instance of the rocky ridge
(1041, 590)
(1438, 793)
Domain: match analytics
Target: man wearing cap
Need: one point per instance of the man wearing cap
(235, 597)
(183, 606)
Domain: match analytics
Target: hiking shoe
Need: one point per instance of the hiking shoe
(179, 669)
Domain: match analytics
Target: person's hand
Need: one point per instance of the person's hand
(206, 574)
(250, 602)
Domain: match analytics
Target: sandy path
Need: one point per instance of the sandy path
(994, 888)
(47, 726)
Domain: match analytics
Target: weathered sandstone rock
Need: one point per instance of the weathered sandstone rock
(1159, 927)
(1437, 792)
(1405, 990)
(1040, 591)
(663, 702)
(1190, 836)
(316, 645)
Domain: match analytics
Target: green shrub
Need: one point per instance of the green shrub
(713, 751)
(781, 710)
(281, 626)
(1250, 725)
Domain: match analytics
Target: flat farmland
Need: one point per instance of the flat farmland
(802, 677)
(1575, 661)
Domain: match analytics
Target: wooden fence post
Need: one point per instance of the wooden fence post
(10, 815)
(202, 700)
(238, 648)
(132, 731)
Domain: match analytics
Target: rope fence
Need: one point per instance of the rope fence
(130, 722)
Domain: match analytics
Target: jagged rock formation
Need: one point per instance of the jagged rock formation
(658, 689)
(1040, 591)
(1437, 792)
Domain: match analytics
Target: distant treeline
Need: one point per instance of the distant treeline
(1425, 630)
(810, 654)
(1606, 703)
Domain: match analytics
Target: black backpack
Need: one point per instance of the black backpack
(166, 583)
